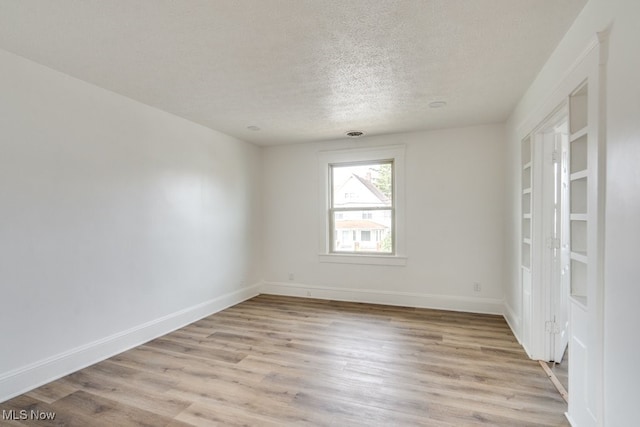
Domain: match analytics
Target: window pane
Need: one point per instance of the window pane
(355, 234)
(362, 185)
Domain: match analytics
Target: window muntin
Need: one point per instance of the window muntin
(361, 208)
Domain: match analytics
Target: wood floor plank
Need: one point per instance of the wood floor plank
(88, 409)
(183, 367)
(203, 415)
(131, 392)
(276, 360)
(51, 392)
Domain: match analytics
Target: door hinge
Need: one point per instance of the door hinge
(553, 243)
(551, 327)
(554, 157)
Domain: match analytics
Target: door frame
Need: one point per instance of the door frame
(587, 407)
(545, 157)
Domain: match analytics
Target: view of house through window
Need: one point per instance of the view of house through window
(361, 211)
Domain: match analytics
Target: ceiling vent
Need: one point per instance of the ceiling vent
(354, 134)
(438, 104)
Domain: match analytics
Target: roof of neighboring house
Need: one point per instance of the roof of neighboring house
(359, 224)
(371, 187)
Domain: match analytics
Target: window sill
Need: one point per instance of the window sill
(393, 260)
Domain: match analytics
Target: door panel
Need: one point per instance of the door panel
(560, 298)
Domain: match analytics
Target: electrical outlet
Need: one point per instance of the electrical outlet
(308, 293)
(477, 287)
(291, 277)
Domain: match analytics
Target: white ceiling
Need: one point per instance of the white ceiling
(301, 70)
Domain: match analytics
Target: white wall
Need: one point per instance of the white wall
(454, 223)
(622, 238)
(113, 216)
(622, 228)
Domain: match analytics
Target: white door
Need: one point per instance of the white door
(553, 225)
(560, 292)
(549, 285)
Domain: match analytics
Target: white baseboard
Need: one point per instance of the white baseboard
(28, 377)
(512, 320)
(568, 417)
(405, 299)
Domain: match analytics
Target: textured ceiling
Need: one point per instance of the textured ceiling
(300, 70)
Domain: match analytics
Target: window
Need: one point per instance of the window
(362, 213)
(361, 200)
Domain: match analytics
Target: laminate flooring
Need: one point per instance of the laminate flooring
(277, 361)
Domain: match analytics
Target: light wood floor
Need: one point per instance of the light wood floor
(277, 361)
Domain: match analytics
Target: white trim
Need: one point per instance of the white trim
(363, 259)
(512, 320)
(21, 380)
(568, 417)
(557, 93)
(371, 296)
(387, 152)
(588, 65)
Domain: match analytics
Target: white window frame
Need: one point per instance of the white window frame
(396, 153)
(334, 210)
